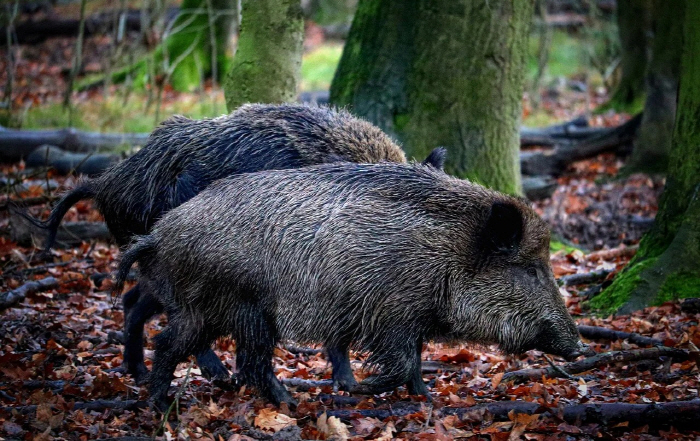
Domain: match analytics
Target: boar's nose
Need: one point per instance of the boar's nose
(581, 349)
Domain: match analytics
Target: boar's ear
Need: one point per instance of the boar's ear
(436, 158)
(504, 228)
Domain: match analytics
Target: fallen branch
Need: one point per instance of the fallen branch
(691, 306)
(10, 298)
(623, 251)
(96, 405)
(556, 161)
(606, 358)
(584, 278)
(303, 350)
(679, 414)
(598, 333)
(18, 144)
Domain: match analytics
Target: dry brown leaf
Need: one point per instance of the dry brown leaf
(332, 428)
(268, 419)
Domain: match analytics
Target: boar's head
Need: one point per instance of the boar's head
(506, 292)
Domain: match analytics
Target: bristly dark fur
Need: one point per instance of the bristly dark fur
(381, 256)
(184, 156)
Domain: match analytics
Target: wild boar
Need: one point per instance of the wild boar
(380, 257)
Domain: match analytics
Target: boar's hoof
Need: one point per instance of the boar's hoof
(161, 404)
(346, 383)
(140, 374)
(280, 395)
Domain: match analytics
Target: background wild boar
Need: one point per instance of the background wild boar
(183, 156)
(382, 257)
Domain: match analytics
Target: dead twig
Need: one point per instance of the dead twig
(596, 361)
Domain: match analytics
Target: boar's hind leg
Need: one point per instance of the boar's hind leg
(180, 338)
(343, 378)
(138, 308)
(212, 367)
(415, 384)
(255, 341)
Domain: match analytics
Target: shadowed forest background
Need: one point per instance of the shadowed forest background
(586, 108)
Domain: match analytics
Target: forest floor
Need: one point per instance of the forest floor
(60, 349)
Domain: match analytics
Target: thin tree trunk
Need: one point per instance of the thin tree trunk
(442, 73)
(633, 21)
(651, 148)
(667, 266)
(267, 64)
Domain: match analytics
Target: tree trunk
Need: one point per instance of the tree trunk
(653, 141)
(195, 48)
(633, 21)
(267, 64)
(667, 266)
(445, 73)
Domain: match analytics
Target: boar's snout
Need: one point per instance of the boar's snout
(581, 349)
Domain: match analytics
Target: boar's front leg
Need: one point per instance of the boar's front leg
(256, 338)
(415, 384)
(397, 364)
(343, 379)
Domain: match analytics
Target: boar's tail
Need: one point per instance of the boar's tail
(142, 247)
(84, 190)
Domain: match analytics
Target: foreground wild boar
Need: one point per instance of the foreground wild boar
(379, 257)
(183, 156)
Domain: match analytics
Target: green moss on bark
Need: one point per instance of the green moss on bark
(667, 265)
(267, 64)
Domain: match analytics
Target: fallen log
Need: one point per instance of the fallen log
(18, 144)
(555, 162)
(623, 251)
(691, 306)
(606, 358)
(37, 31)
(10, 298)
(679, 414)
(26, 202)
(537, 188)
(598, 333)
(70, 234)
(65, 163)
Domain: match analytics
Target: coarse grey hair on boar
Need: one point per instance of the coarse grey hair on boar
(381, 257)
(183, 156)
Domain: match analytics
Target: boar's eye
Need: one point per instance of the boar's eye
(532, 272)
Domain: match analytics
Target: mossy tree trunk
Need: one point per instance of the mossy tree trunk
(442, 73)
(667, 265)
(633, 21)
(195, 40)
(653, 142)
(267, 64)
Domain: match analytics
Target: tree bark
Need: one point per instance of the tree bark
(267, 64)
(633, 21)
(667, 265)
(446, 73)
(653, 142)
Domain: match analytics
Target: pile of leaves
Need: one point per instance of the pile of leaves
(60, 354)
